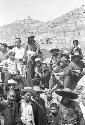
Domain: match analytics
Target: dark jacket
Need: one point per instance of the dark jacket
(6, 112)
(70, 113)
(45, 77)
(41, 102)
(39, 114)
(52, 119)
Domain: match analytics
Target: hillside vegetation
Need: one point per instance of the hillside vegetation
(59, 32)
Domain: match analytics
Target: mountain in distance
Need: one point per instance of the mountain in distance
(59, 32)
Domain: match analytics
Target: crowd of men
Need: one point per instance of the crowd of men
(34, 91)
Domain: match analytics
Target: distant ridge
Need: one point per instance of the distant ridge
(58, 32)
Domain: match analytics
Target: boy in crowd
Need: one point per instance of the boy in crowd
(53, 117)
(10, 66)
(11, 70)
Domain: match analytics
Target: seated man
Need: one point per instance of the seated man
(37, 67)
(44, 76)
(73, 71)
(58, 71)
(56, 55)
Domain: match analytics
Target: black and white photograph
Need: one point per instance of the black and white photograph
(42, 62)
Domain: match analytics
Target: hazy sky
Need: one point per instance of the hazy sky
(43, 10)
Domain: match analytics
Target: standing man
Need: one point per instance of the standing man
(31, 113)
(19, 55)
(75, 48)
(30, 50)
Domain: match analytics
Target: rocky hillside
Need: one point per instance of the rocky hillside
(59, 32)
